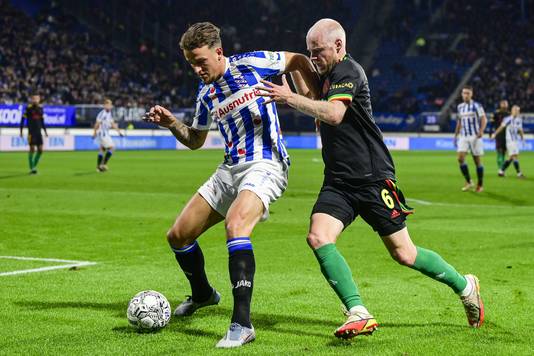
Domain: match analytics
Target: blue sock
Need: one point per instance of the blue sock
(480, 175)
(465, 172)
(242, 267)
(99, 159)
(108, 156)
(191, 260)
(516, 166)
(506, 164)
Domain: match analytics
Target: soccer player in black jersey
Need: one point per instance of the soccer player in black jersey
(34, 116)
(359, 179)
(500, 139)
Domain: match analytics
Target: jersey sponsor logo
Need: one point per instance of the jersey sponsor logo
(347, 85)
(237, 103)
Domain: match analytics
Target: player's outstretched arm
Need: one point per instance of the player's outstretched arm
(483, 123)
(499, 129)
(303, 73)
(116, 127)
(194, 139)
(457, 129)
(95, 129)
(330, 112)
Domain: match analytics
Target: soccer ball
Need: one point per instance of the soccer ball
(149, 311)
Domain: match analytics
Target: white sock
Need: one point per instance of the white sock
(468, 288)
(359, 309)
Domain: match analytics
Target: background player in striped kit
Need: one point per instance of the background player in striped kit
(500, 139)
(253, 174)
(105, 122)
(35, 118)
(470, 126)
(513, 125)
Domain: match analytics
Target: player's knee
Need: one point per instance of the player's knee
(315, 240)
(404, 257)
(176, 237)
(235, 225)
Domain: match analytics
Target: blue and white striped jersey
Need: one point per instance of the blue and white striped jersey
(470, 115)
(513, 125)
(105, 120)
(250, 128)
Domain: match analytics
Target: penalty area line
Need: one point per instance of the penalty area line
(69, 264)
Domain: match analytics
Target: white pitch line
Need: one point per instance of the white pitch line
(458, 205)
(70, 264)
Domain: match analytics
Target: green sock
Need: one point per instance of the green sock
(434, 266)
(36, 158)
(30, 160)
(500, 159)
(338, 274)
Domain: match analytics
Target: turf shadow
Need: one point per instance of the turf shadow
(15, 175)
(118, 309)
(505, 198)
(88, 173)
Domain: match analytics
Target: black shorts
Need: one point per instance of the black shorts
(500, 142)
(381, 204)
(35, 139)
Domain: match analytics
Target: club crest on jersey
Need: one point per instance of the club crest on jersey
(240, 81)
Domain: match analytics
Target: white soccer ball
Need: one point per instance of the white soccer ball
(149, 311)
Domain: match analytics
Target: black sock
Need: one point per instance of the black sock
(516, 166)
(108, 156)
(99, 159)
(480, 175)
(506, 164)
(191, 260)
(242, 267)
(465, 172)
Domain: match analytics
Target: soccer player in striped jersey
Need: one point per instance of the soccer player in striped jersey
(104, 123)
(252, 176)
(470, 126)
(513, 125)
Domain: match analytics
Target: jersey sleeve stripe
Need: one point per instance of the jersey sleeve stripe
(235, 138)
(266, 123)
(249, 133)
(347, 97)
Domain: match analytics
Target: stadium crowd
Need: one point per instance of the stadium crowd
(68, 64)
(52, 53)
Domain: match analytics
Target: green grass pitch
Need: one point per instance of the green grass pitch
(118, 220)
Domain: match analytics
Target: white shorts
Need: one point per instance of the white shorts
(267, 179)
(512, 147)
(471, 144)
(105, 141)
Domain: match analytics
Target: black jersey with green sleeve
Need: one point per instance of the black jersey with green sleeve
(35, 117)
(354, 151)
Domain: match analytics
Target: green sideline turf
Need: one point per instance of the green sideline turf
(118, 220)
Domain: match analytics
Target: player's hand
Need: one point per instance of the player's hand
(479, 135)
(160, 116)
(277, 93)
